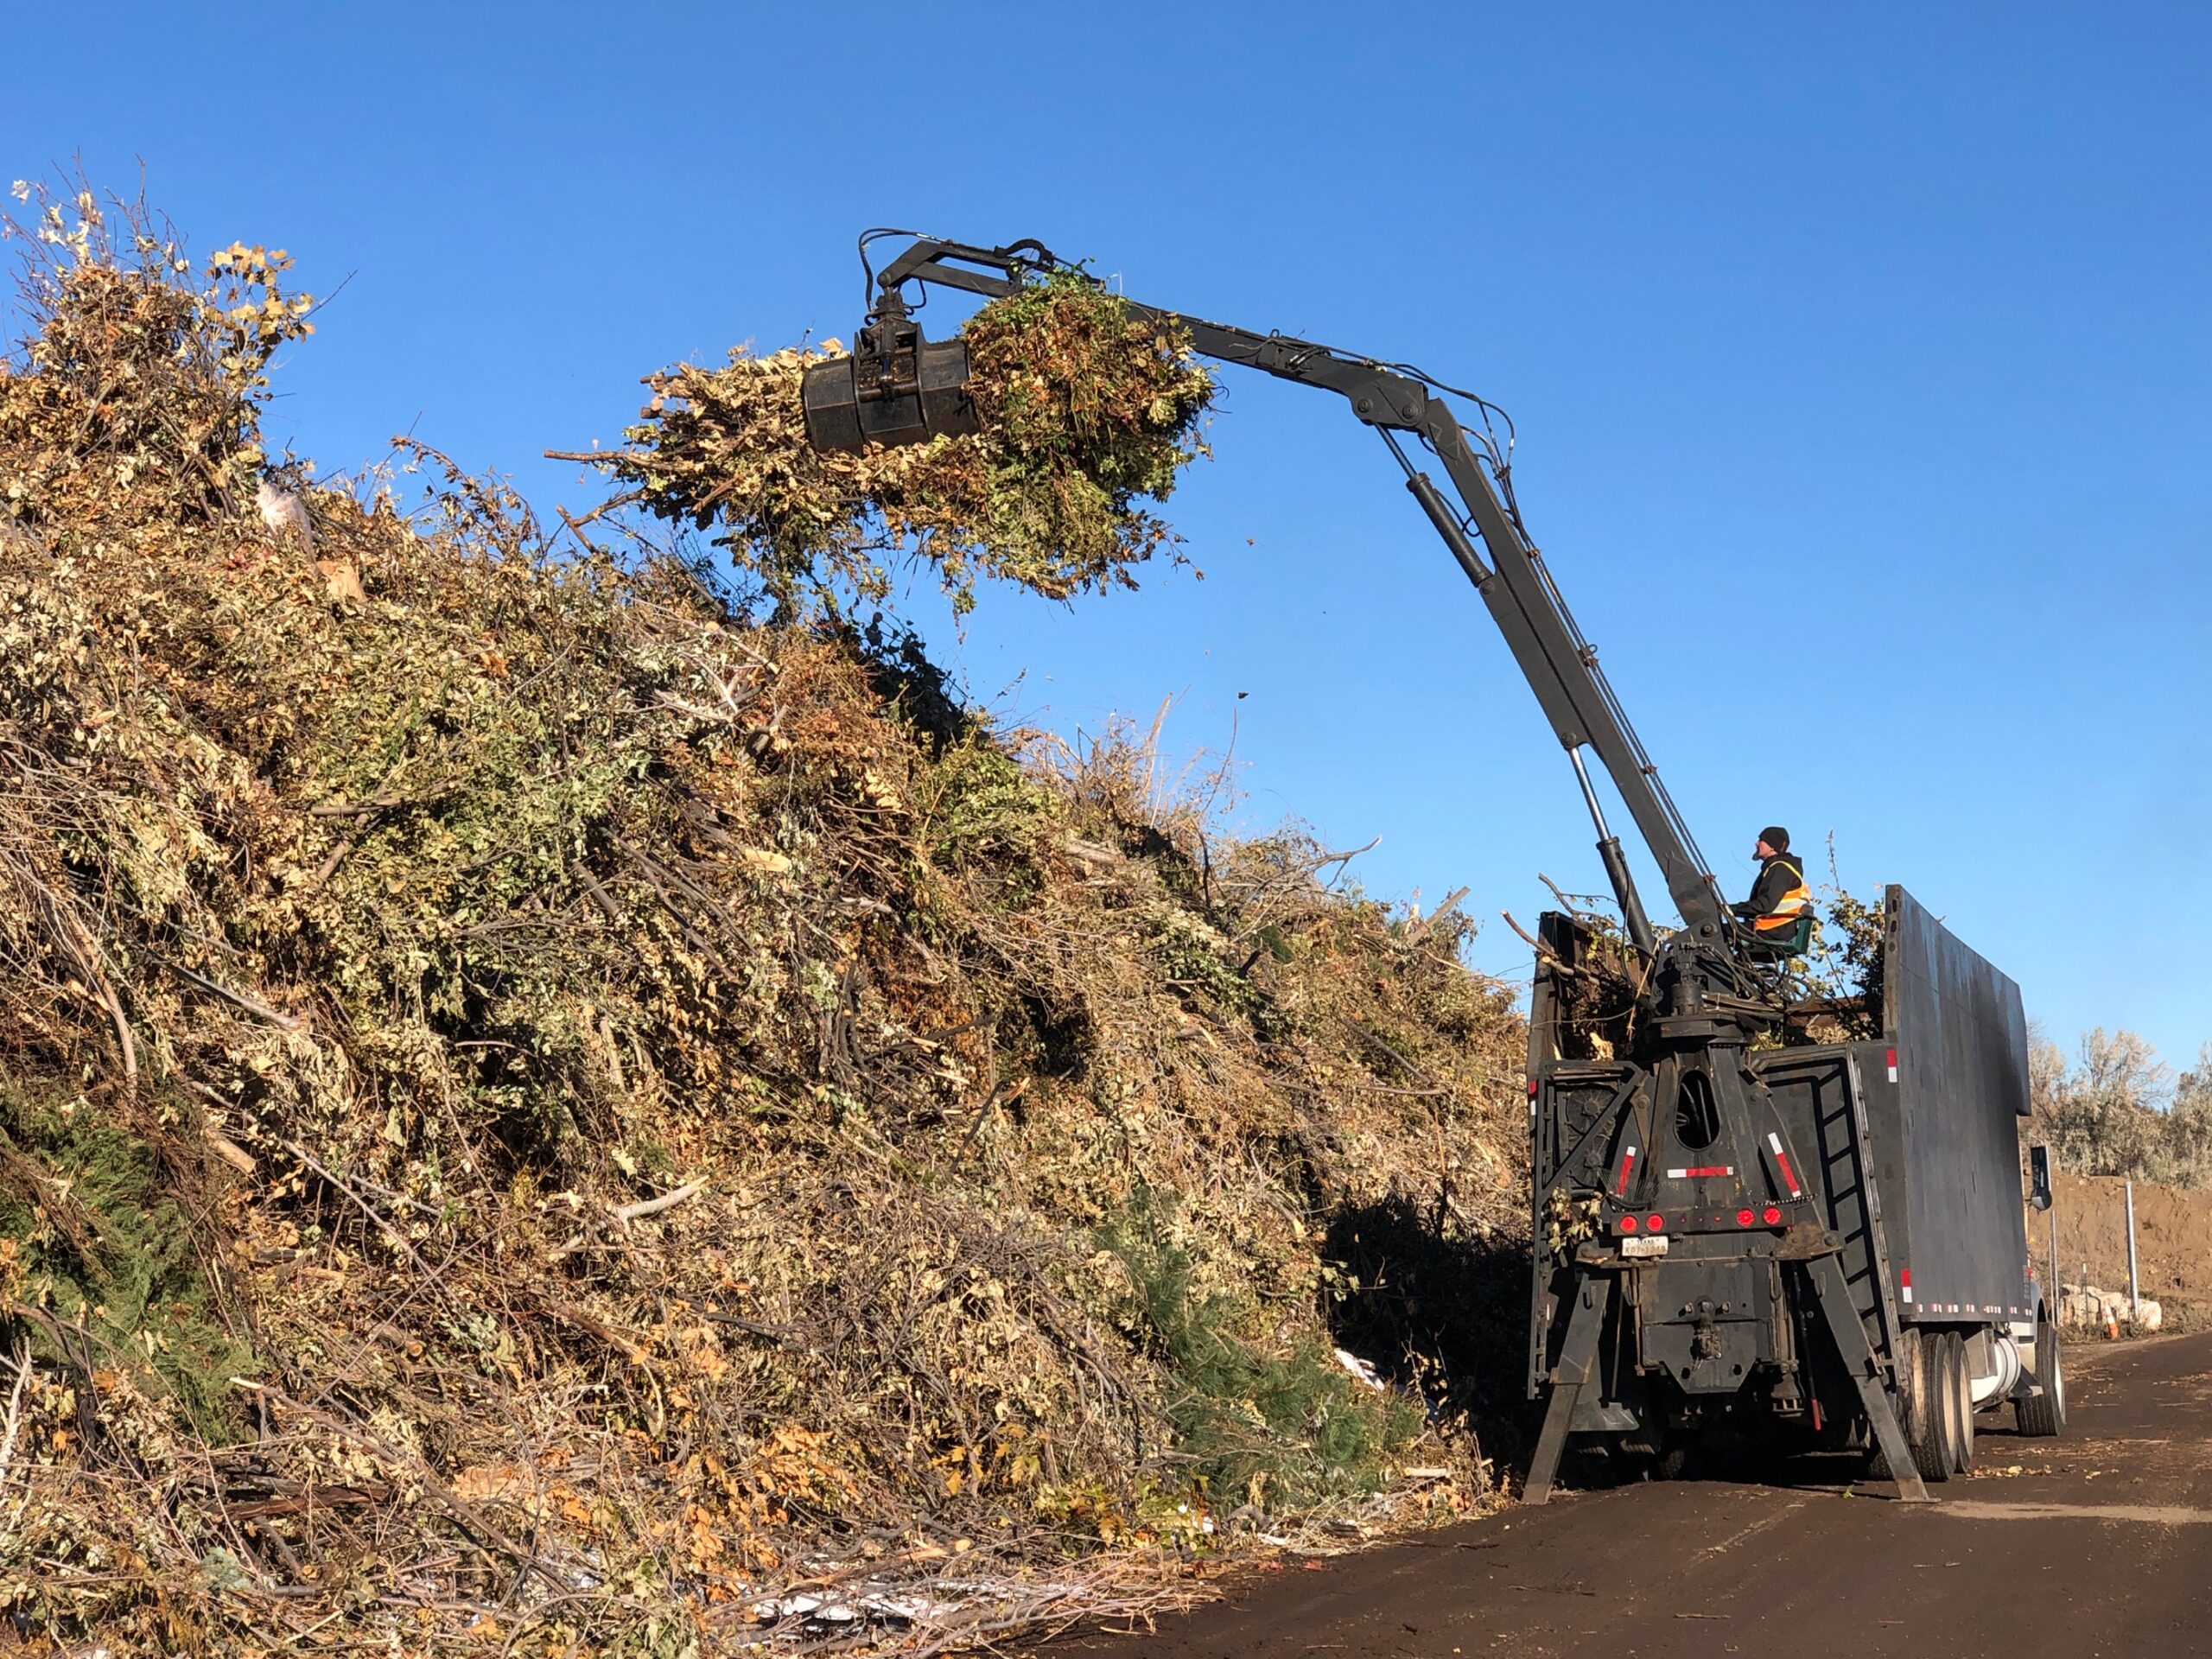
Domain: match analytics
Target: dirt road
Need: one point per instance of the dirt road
(2100, 1544)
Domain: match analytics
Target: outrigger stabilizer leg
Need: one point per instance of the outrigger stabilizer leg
(1578, 1359)
(1578, 1362)
(1858, 1359)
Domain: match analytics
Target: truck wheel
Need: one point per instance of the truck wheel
(1920, 1413)
(1960, 1394)
(1937, 1455)
(2044, 1414)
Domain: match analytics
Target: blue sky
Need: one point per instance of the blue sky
(1861, 362)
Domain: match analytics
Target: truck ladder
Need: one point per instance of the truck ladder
(1853, 1284)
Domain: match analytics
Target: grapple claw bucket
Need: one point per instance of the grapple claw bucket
(897, 388)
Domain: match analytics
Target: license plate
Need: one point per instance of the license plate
(1655, 1245)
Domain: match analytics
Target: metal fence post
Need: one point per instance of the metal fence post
(2057, 1291)
(2134, 1290)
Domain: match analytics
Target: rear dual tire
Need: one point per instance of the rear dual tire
(2043, 1413)
(1936, 1408)
(1923, 1411)
(1959, 1393)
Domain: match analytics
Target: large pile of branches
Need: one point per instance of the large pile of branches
(541, 1115)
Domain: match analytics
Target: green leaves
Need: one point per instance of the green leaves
(95, 1238)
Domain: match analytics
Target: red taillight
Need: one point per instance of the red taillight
(1627, 1224)
(1744, 1217)
(1654, 1222)
(1532, 1088)
(1771, 1216)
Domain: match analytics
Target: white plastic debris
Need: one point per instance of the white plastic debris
(284, 514)
(1360, 1370)
(877, 1605)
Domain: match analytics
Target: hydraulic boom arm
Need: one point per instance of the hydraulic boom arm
(1559, 665)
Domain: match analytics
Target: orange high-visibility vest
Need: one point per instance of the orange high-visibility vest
(1789, 907)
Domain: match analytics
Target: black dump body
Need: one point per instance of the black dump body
(1946, 1133)
(1722, 1212)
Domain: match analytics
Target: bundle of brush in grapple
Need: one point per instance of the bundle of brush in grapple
(541, 1113)
(1084, 410)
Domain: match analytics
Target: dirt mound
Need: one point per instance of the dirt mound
(2173, 1237)
(541, 1109)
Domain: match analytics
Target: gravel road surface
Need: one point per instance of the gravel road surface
(2098, 1543)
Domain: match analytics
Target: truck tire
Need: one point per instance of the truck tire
(1919, 1411)
(2044, 1414)
(1960, 1376)
(1937, 1456)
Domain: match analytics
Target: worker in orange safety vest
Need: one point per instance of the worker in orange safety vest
(1780, 898)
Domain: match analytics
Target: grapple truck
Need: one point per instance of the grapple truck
(1740, 1229)
(1749, 1214)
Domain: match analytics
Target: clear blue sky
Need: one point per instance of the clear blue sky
(1860, 357)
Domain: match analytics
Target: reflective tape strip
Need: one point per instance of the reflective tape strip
(1781, 1159)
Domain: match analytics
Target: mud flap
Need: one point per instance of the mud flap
(1858, 1359)
(1577, 1359)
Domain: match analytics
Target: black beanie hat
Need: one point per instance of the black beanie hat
(1777, 837)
